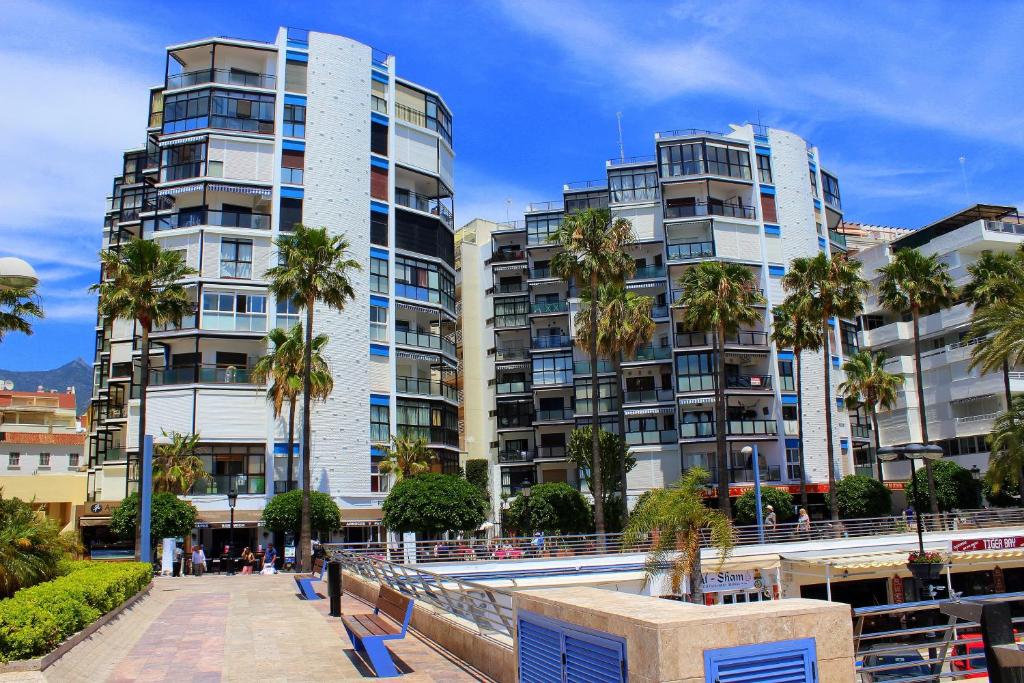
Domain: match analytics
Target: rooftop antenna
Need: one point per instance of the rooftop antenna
(622, 150)
(508, 209)
(963, 176)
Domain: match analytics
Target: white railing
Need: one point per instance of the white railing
(976, 418)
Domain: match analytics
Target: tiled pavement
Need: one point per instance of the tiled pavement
(236, 628)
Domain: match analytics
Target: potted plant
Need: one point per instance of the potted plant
(925, 565)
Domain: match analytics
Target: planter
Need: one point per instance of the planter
(925, 571)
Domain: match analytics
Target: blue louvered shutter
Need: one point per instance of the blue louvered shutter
(593, 659)
(540, 653)
(787, 661)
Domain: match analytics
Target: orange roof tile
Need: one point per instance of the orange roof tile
(42, 438)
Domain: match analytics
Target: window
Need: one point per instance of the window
(768, 211)
(14, 460)
(294, 121)
(793, 463)
(539, 228)
(438, 118)
(695, 372)
(677, 160)
(183, 161)
(291, 213)
(424, 281)
(607, 395)
(234, 312)
(378, 275)
(555, 369)
(295, 76)
(786, 381)
(44, 460)
(73, 460)
(424, 235)
(515, 413)
(728, 161)
(848, 335)
(831, 187)
(379, 228)
(292, 164)
(814, 182)
(238, 467)
(378, 138)
(764, 168)
(511, 312)
(378, 323)
(287, 314)
(578, 201)
(380, 424)
(379, 183)
(235, 110)
(640, 185)
(236, 259)
(186, 111)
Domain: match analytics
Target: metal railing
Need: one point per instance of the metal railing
(650, 352)
(228, 76)
(643, 159)
(511, 288)
(748, 381)
(425, 387)
(648, 273)
(537, 207)
(219, 484)
(554, 415)
(967, 419)
(513, 387)
(649, 396)
(582, 367)
(506, 255)
(690, 250)
(200, 374)
(419, 202)
(488, 609)
(651, 438)
(223, 219)
(837, 238)
(425, 341)
(413, 116)
(511, 353)
(1001, 226)
(701, 209)
(549, 307)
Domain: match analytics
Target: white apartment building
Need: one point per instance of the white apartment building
(245, 139)
(960, 404)
(755, 196)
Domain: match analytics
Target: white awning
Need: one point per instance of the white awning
(182, 141)
(503, 268)
(513, 366)
(662, 410)
(971, 399)
(696, 401)
(242, 189)
(180, 189)
(414, 307)
(645, 285)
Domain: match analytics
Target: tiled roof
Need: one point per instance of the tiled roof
(42, 438)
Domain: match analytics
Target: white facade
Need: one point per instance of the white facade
(246, 139)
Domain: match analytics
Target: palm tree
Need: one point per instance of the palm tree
(1006, 445)
(284, 365)
(675, 520)
(143, 282)
(868, 381)
(176, 467)
(914, 283)
(793, 329)
(17, 305)
(314, 268)
(592, 252)
(823, 287)
(624, 325)
(407, 456)
(720, 297)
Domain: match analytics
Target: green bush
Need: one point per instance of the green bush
(860, 496)
(552, 508)
(954, 487)
(171, 517)
(434, 503)
(284, 512)
(746, 506)
(476, 474)
(31, 546)
(38, 619)
(1000, 495)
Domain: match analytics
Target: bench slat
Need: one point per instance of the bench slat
(392, 603)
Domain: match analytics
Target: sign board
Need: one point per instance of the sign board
(968, 545)
(717, 582)
(289, 553)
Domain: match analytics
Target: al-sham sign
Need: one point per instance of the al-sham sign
(717, 582)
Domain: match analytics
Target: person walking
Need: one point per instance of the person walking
(803, 523)
(248, 561)
(770, 521)
(179, 565)
(198, 560)
(269, 559)
(538, 543)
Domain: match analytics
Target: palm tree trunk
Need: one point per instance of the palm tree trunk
(143, 386)
(291, 444)
(721, 440)
(617, 366)
(874, 428)
(922, 413)
(1008, 395)
(595, 444)
(830, 451)
(305, 530)
(800, 427)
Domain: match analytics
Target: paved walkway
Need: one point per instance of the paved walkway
(235, 628)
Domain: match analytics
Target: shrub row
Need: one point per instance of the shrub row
(38, 619)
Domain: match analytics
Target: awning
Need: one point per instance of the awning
(959, 558)
(180, 189)
(514, 366)
(94, 521)
(503, 268)
(971, 399)
(413, 307)
(645, 285)
(651, 411)
(354, 515)
(696, 401)
(221, 519)
(242, 189)
(182, 141)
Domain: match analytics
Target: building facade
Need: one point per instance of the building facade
(244, 140)
(41, 451)
(754, 196)
(960, 404)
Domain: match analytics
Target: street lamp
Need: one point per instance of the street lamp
(16, 273)
(912, 452)
(976, 476)
(748, 451)
(232, 500)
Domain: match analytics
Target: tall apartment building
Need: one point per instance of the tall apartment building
(41, 444)
(244, 140)
(961, 404)
(753, 196)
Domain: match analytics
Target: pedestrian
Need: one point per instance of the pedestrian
(269, 559)
(198, 560)
(538, 543)
(803, 523)
(248, 561)
(770, 521)
(179, 567)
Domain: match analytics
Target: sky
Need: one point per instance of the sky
(916, 107)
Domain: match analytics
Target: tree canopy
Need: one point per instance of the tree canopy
(434, 503)
(954, 486)
(746, 506)
(552, 508)
(861, 496)
(284, 512)
(172, 517)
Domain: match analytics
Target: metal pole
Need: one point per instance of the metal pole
(917, 512)
(757, 496)
(231, 543)
(146, 494)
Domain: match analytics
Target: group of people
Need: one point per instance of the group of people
(803, 521)
(249, 561)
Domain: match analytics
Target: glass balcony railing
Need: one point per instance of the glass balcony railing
(648, 395)
(541, 273)
(648, 273)
(425, 387)
(211, 217)
(554, 415)
(431, 205)
(549, 307)
(702, 209)
(424, 340)
(519, 387)
(228, 76)
(506, 255)
(837, 238)
(552, 341)
(221, 484)
(510, 353)
(648, 353)
(582, 367)
(696, 430)
(690, 250)
(752, 427)
(652, 438)
(200, 374)
(511, 288)
(748, 381)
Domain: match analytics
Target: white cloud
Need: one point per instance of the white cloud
(479, 195)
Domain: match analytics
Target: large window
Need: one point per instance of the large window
(764, 168)
(695, 158)
(679, 160)
(378, 275)
(291, 213)
(695, 372)
(380, 424)
(243, 111)
(287, 314)
(437, 424)
(814, 181)
(579, 201)
(786, 381)
(424, 281)
(379, 228)
(234, 312)
(552, 369)
(378, 323)
(831, 187)
(608, 397)
(294, 121)
(187, 111)
(728, 161)
(183, 161)
(793, 463)
(540, 228)
(438, 118)
(236, 259)
(640, 185)
(238, 468)
(511, 312)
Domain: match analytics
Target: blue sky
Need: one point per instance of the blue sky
(893, 94)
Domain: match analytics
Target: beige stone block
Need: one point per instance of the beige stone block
(836, 670)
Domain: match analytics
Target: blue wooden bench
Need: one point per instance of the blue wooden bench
(369, 631)
(305, 581)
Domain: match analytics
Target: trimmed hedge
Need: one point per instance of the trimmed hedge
(38, 619)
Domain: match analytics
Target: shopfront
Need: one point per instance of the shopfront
(93, 522)
(748, 579)
(219, 538)
(360, 525)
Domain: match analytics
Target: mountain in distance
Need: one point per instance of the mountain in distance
(77, 374)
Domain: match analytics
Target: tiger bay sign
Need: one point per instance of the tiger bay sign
(717, 582)
(969, 545)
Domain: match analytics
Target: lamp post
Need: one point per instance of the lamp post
(232, 500)
(16, 274)
(748, 451)
(912, 452)
(976, 476)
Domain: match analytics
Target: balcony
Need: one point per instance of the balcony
(748, 382)
(200, 374)
(433, 435)
(418, 202)
(552, 341)
(696, 430)
(648, 273)
(746, 474)
(503, 255)
(653, 438)
(649, 353)
(515, 420)
(221, 484)
(549, 307)
(425, 387)
(628, 161)
(511, 353)
(511, 288)
(701, 209)
(860, 431)
(540, 238)
(690, 250)
(659, 312)
(1006, 228)
(649, 396)
(752, 427)
(582, 367)
(422, 340)
(542, 273)
(519, 387)
(207, 217)
(516, 456)
(246, 79)
(556, 415)
(743, 338)
(837, 238)
(510, 320)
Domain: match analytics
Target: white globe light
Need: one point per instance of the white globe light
(17, 273)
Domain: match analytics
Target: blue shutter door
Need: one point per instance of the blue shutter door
(540, 653)
(593, 659)
(788, 661)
